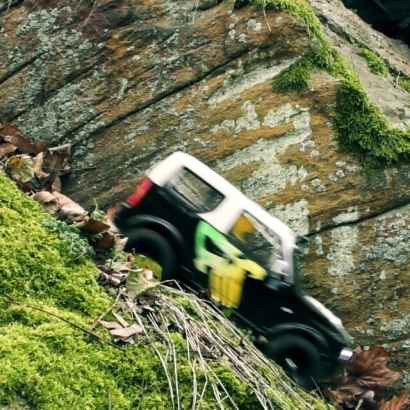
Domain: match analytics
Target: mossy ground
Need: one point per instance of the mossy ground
(49, 362)
(361, 128)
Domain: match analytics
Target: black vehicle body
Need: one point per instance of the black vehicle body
(204, 249)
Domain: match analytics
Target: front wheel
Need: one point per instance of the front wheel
(154, 246)
(298, 357)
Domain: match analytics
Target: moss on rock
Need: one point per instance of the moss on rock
(361, 127)
(295, 78)
(376, 63)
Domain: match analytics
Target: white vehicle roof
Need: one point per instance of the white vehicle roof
(235, 199)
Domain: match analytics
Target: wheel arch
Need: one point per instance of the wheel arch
(161, 226)
(310, 334)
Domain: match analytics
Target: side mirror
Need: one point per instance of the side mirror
(280, 266)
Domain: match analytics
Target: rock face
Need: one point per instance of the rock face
(129, 83)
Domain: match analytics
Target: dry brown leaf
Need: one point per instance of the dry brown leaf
(127, 332)
(48, 200)
(56, 185)
(6, 149)
(110, 325)
(120, 242)
(91, 225)
(54, 162)
(121, 320)
(396, 403)
(129, 260)
(106, 242)
(38, 166)
(7, 129)
(110, 214)
(24, 144)
(113, 209)
(346, 394)
(370, 369)
(113, 227)
(69, 210)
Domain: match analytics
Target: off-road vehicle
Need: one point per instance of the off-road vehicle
(205, 232)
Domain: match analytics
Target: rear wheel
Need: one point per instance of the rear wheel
(297, 356)
(155, 246)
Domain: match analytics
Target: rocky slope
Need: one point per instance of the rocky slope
(127, 83)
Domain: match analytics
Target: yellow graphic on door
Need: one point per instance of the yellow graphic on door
(225, 264)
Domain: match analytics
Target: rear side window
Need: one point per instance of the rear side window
(194, 192)
(257, 238)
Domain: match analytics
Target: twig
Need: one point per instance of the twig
(173, 351)
(109, 398)
(196, 8)
(142, 394)
(359, 404)
(95, 5)
(264, 14)
(171, 392)
(14, 302)
(107, 311)
(203, 392)
(204, 337)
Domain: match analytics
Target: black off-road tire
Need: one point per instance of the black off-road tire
(156, 247)
(298, 357)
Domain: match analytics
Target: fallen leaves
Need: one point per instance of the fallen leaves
(123, 272)
(61, 207)
(121, 329)
(20, 167)
(369, 368)
(6, 149)
(36, 170)
(51, 163)
(396, 403)
(126, 334)
(364, 375)
(31, 162)
(13, 137)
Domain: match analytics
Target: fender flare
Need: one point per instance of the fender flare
(158, 225)
(308, 332)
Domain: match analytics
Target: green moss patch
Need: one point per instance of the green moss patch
(33, 262)
(361, 127)
(404, 83)
(295, 78)
(375, 63)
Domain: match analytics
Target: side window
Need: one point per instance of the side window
(198, 195)
(258, 239)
